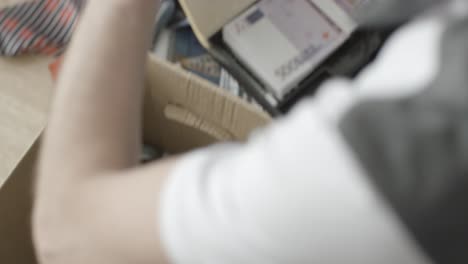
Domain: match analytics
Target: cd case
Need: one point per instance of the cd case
(281, 42)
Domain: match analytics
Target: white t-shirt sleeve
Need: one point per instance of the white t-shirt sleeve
(294, 194)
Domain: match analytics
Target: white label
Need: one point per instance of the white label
(289, 17)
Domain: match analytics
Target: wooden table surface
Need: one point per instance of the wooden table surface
(25, 92)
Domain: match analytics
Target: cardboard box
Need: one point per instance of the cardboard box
(193, 111)
(181, 112)
(15, 213)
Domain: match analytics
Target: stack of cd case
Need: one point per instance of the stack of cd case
(282, 50)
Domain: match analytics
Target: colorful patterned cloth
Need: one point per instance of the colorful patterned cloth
(42, 26)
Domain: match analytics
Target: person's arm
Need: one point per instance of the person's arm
(91, 205)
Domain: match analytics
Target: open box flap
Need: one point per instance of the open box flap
(193, 111)
(208, 17)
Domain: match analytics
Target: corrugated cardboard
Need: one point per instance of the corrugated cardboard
(208, 17)
(193, 111)
(181, 112)
(16, 245)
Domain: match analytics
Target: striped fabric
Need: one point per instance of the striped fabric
(42, 26)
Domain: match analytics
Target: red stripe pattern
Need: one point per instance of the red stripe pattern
(43, 26)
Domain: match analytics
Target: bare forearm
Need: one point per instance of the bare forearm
(92, 139)
(95, 121)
